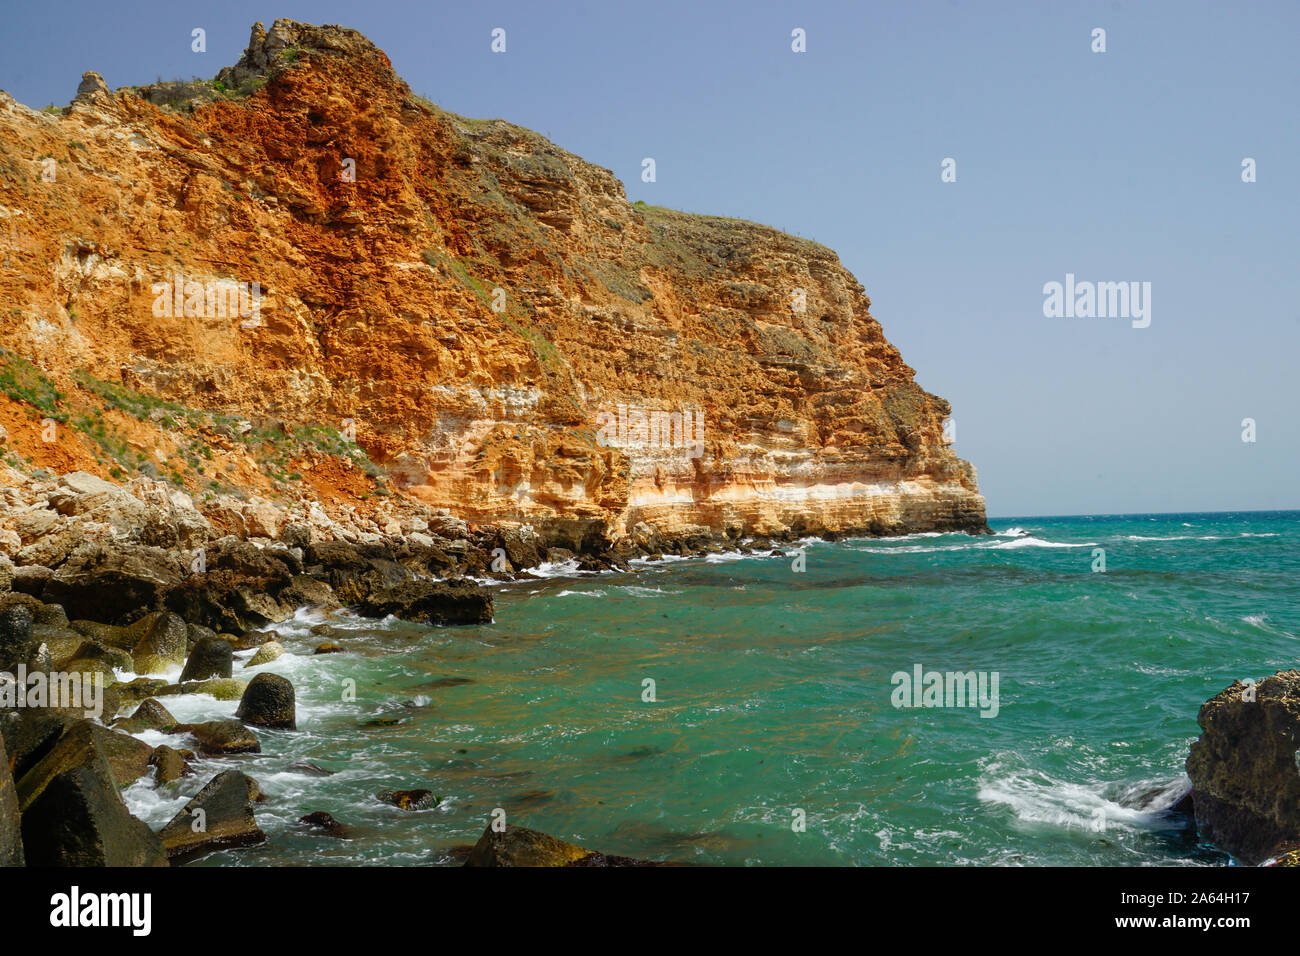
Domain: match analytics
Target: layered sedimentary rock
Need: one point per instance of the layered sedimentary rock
(301, 282)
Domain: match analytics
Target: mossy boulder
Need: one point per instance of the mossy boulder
(269, 701)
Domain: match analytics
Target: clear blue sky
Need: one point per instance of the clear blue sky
(1123, 165)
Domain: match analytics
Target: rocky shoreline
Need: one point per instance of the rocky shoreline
(97, 579)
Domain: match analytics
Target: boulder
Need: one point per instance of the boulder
(432, 602)
(125, 758)
(305, 591)
(354, 572)
(1245, 784)
(523, 546)
(11, 834)
(211, 657)
(219, 817)
(266, 653)
(222, 688)
(29, 734)
(322, 822)
(169, 765)
(83, 494)
(409, 799)
(106, 634)
(51, 550)
(218, 738)
(296, 535)
(150, 715)
(79, 819)
(17, 644)
(162, 645)
(269, 702)
(113, 583)
(31, 579)
(195, 633)
(49, 615)
(520, 846)
(139, 689)
(251, 639)
(113, 657)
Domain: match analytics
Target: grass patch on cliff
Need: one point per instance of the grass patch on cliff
(24, 382)
(272, 444)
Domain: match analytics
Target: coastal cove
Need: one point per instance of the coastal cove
(773, 694)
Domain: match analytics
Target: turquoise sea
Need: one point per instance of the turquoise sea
(773, 694)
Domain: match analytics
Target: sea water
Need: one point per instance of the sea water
(733, 710)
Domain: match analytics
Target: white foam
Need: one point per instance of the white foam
(1032, 542)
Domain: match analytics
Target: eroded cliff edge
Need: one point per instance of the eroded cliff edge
(453, 328)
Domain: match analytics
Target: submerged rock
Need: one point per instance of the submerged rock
(324, 823)
(1245, 780)
(311, 769)
(409, 799)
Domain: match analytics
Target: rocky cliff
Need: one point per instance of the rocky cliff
(301, 292)
(1245, 769)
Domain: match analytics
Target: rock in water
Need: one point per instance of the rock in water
(79, 820)
(409, 799)
(520, 846)
(324, 823)
(219, 817)
(222, 737)
(211, 657)
(432, 602)
(169, 764)
(269, 702)
(266, 653)
(1245, 784)
(11, 835)
(150, 715)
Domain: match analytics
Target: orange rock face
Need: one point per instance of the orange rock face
(304, 242)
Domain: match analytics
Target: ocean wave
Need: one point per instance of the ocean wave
(1034, 796)
(1262, 622)
(644, 591)
(554, 569)
(1032, 542)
